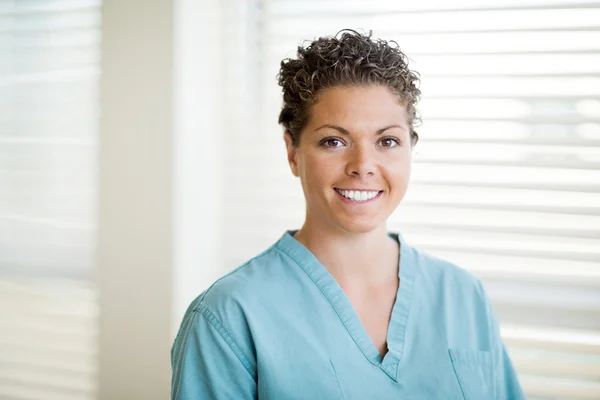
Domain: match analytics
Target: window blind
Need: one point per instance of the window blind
(506, 179)
(49, 69)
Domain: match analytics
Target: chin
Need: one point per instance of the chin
(359, 225)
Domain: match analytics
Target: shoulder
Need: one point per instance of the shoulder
(439, 274)
(220, 315)
(237, 292)
(228, 303)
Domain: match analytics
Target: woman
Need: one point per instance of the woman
(342, 309)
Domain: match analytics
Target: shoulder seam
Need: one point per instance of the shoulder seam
(177, 382)
(226, 336)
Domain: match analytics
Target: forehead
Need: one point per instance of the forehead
(358, 108)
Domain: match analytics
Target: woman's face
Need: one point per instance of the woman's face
(354, 158)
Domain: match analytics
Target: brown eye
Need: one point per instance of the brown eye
(389, 143)
(332, 143)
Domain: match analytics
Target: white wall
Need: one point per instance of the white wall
(135, 203)
(159, 177)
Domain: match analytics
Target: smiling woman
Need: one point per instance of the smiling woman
(342, 308)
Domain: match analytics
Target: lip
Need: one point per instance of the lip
(348, 201)
(361, 190)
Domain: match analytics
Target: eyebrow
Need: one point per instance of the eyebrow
(345, 131)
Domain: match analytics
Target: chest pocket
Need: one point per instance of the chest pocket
(474, 371)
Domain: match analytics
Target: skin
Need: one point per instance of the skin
(355, 138)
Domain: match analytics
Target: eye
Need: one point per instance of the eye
(389, 143)
(331, 142)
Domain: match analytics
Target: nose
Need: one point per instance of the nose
(360, 162)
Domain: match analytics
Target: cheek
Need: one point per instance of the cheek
(319, 170)
(399, 169)
(398, 177)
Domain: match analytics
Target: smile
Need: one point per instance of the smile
(358, 196)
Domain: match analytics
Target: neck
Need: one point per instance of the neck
(369, 258)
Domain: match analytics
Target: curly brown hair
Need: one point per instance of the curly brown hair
(347, 59)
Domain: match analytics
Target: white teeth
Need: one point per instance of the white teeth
(358, 195)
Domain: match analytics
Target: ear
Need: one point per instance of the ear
(414, 138)
(292, 152)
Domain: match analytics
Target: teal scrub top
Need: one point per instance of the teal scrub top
(280, 327)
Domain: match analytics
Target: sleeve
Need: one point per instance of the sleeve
(506, 383)
(207, 363)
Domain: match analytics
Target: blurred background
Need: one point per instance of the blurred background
(140, 159)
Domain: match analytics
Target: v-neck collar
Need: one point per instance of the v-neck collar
(306, 260)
